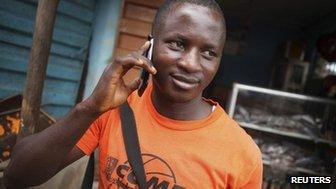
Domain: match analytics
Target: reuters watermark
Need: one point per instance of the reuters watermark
(310, 180)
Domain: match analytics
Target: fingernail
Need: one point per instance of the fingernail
(154, 70)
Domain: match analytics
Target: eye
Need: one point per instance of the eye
(176, 45)
(209, 54)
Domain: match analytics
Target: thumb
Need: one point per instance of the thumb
(133, 86)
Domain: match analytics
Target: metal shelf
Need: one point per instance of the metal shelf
(286, 133)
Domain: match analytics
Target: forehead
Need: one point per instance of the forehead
(195, 20)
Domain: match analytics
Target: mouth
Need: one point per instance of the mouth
(183, 82)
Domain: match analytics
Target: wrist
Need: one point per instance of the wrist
(88, 109)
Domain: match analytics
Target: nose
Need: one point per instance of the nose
(190, 61)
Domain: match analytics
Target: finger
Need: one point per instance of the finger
(133, 86)
(147, 64)
(144, 48)
(123, 64)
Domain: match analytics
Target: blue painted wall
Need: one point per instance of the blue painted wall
(254, 66)
(71, 37)
(262, 43)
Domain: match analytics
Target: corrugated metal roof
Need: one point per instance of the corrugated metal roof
(71, 37)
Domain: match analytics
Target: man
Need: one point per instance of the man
(186, 141)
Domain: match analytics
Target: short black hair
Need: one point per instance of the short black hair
(167, 6)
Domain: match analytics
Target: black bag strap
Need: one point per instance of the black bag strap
(89, 173)
(132, 145)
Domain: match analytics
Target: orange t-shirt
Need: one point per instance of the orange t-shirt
(210, 153)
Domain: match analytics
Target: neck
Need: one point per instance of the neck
(191, 110)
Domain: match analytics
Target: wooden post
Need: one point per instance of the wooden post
(44, 24)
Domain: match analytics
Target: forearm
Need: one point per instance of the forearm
(38, 157)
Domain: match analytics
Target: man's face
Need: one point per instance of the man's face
(187, 51)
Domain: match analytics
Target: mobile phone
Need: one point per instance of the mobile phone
(144, 73)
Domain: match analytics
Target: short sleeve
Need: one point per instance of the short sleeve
(255, 179)
(89, 141)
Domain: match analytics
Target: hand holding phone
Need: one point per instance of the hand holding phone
(111, 90)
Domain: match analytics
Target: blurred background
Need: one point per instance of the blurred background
(277, 76)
